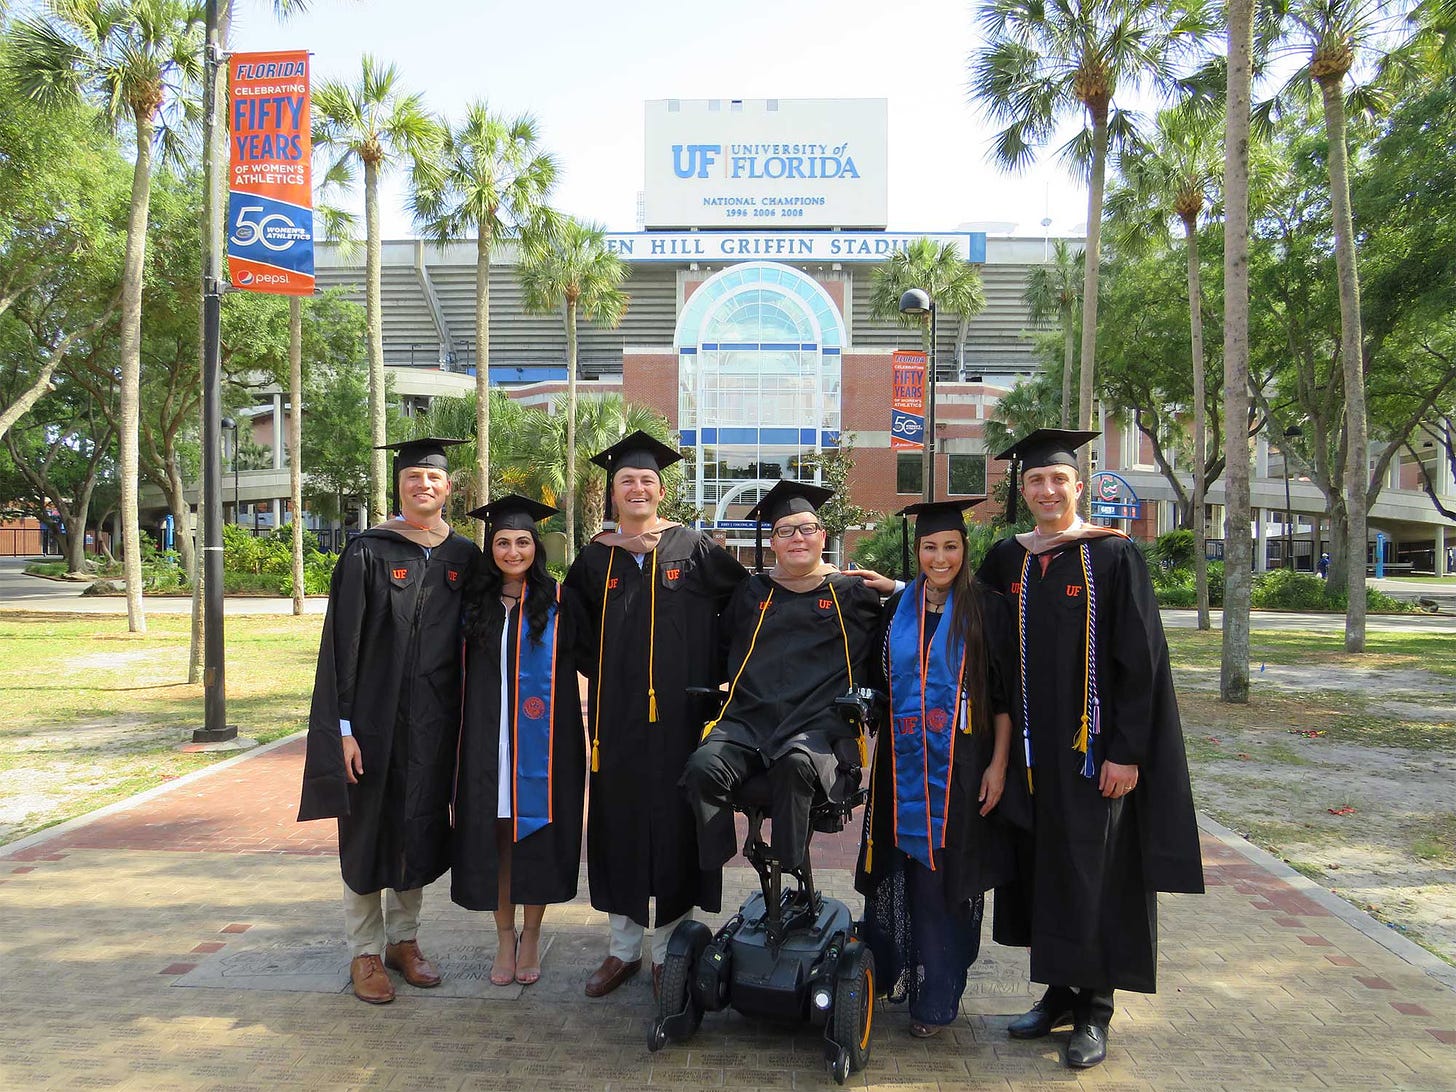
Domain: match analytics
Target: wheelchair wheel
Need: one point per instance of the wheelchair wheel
(854, 1010)
(679, 1012)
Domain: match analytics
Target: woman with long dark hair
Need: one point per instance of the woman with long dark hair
(931, 844)
(521, 773)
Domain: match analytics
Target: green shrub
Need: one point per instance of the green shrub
(318, 570)
(1180, 596)
(250, 583)
(1284, 589)
(1215, 583)
(1173, 549)
(47, 568)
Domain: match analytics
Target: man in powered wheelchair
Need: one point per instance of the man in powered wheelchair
(789, 745)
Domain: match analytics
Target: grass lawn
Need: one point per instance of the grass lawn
(90, 713)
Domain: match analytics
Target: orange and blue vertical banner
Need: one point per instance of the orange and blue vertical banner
(270, 184)
(907, 399)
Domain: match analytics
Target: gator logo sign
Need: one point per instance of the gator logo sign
(534, 708)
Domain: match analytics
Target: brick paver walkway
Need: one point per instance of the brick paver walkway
(1265, 982)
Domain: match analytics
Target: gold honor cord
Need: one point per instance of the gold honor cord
(762, 612)
(652, 644)
(601, 647)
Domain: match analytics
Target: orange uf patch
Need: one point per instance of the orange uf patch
(1016, 588)
(825, 604)
(673, 574)
(399, 574)
(612, 584)
(1074, 590)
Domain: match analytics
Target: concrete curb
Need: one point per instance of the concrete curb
(130, 802)
(1382, 934)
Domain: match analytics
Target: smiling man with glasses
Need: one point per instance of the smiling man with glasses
(799, 637)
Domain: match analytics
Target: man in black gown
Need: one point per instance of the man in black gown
(385, 719)
(1102, 752)
(652, 592)
(800, 636)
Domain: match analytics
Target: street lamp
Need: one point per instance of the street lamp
(917, 301)
(232, 426)
(1290, 433)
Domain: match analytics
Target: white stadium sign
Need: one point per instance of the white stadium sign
(784, 246)
(766, 163)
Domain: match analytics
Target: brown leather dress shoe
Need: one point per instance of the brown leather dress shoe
(371, 980)
(406, 958)
(611, 974)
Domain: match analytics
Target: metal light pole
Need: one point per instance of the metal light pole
(232, 426)
(1290, 433)
(215, 727)
(917, 302)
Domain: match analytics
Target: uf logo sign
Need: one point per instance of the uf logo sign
(699, 157)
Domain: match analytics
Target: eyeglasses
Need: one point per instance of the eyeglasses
(805, 529)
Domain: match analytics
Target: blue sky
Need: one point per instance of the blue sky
(584, 70)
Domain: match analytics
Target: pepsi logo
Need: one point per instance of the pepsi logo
(245, 278)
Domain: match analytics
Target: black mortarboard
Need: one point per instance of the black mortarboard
(512, 512)
(786, 498)
(932, 517)
(639, 450)
(425, 451)
(1044, 447)
(1048, 447)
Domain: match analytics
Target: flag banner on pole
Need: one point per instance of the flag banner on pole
(270, 200)
(907, 399)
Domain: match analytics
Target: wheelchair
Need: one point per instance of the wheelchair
(792, 955)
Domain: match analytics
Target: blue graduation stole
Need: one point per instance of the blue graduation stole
(925, 703)
(532, 719)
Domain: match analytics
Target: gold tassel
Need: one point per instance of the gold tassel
(1080, 743)
(864, 751)
(651, 706)
(1029, 787)
(708, 729)
(869, 854)
(596, 757)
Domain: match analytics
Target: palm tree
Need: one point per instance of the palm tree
(449, 416)
(491, 178)
(954, 287)
(1045, 59)
(1053, 290)
(138, 60)
(374, 123)
(1335, 35)
(1238, 583)
(1177, 177)
(537, 463)
(571, 268)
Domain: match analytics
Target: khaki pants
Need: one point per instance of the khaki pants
(381, 916)
(627, 937)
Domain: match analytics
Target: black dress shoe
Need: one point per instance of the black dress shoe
(1087, 1046)
(1053, 1010)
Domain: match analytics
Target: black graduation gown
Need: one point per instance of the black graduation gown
(544, 864)
(783, 698)
(641, 839)
(977, 853)
(1086, 898)
(389, 663)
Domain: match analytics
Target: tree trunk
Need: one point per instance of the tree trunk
(482, 375)
(176, 492)
(1200, 427)
(295, 442)
(1357, 438)
(73, 543)
(379, 462)
(1089, 293)
(1238, 550)
(129, 462)
(570, 453)
(1069, 363)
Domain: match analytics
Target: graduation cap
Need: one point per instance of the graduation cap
(786, 498)
(639, 451)
(1044, 447)
(512, 512)
(423, 451)
(931, 517)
